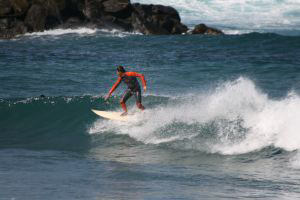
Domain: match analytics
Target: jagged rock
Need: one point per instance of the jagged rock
(100, 8)
(13, 28)
(10, 12)
(116, 6)
(5, 7)
(19, 28)
(19, 6)
(50, 14)
(74, 22)
(109, 14)
(36, 18)
(203, 29)
(20, 16)
(61, 4)
(156, 19)
(117, 14)
(5, 23)
(92, 9)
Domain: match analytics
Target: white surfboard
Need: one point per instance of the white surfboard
(111, 115)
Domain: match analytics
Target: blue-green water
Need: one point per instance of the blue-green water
(222, 117)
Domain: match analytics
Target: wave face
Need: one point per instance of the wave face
(239, 16)
(45, 122)
(235, 118)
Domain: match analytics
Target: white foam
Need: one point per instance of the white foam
(233, 105)
(118, 33)
(269, 122)
(236, 32)
(83, 32)
(242, 14)
(55, 32)
(295, 161)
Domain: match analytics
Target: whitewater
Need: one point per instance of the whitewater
(244, 119)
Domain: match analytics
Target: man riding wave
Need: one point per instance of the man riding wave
(130, 79)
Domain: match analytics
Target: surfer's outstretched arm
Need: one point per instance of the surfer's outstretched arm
(117, 83)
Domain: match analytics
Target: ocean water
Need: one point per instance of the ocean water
(222, 118)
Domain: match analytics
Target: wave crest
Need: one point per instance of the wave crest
(235, 118)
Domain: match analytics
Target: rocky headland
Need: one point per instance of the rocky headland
(18, 17)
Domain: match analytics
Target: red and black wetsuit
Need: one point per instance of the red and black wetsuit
(129, 78)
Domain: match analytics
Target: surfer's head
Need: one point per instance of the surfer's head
(121, 70)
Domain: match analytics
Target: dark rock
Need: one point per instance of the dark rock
(44, 14)
(73, 8)
(20, 16)
(36, 18)
(203, 29)
(102, 8)
(61, 4)
(92, 9)
(19, 6)
(10, 24)
(156, 19)
(73, 22)
(13, 8)
(19, 28)
(109, 14)
(116, 6)
(13, 29)
(53, 9)
(5, 7)
(5, 23)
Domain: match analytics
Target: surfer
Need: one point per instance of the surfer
(133, 88)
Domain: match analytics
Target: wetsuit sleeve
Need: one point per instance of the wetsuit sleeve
(117, 83)
(141, 76)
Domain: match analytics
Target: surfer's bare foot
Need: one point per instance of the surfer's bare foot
(124, 114)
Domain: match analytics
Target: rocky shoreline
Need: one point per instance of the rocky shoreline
(18, 17)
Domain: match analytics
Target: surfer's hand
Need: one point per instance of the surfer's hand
(145, 88)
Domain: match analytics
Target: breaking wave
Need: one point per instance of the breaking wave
(81, 32)
(235, 118)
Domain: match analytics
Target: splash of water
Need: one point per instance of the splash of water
(54, 32)
(235, 118)
(82, 32)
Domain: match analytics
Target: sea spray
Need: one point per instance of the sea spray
(55, 32)
(235, 118)
(82, 31)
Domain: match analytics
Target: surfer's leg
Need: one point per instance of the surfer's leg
(127, 94)
(138, 98)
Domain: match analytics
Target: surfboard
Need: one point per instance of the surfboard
(111, 115)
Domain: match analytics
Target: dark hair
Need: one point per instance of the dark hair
(121, 69)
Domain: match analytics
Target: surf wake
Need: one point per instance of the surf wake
(234, 118)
